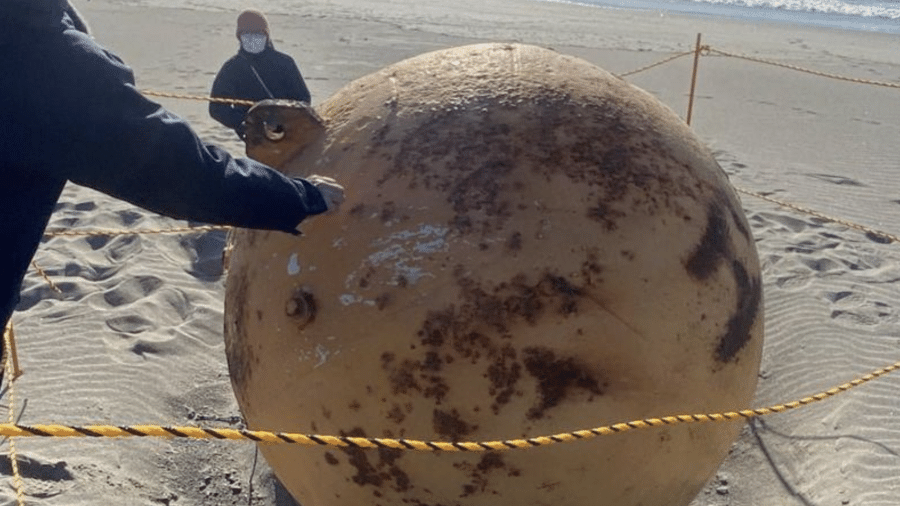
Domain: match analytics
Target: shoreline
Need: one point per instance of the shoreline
(825, 20)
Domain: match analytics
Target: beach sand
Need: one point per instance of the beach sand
(134, 335)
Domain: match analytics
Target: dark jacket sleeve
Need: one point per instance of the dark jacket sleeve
(223, 87)
(119, 142)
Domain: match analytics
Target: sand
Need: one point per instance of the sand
(135, 334)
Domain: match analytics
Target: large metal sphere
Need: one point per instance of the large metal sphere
(530, 245)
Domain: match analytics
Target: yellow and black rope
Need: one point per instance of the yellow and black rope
(111, 431)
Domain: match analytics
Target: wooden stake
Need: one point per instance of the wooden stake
(693, 80)
(10, 338)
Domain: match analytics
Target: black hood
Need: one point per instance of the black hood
(17, 16)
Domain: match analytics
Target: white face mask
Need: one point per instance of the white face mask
(254, 43)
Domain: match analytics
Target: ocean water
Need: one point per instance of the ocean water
(863, 15)
(866, 15)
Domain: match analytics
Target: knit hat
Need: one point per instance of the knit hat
(252, 20)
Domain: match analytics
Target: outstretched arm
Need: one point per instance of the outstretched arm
(119, 142)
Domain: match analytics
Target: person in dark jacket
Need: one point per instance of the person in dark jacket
(257, 72)
(69, 111)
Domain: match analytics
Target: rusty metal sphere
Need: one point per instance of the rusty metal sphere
(529, 245)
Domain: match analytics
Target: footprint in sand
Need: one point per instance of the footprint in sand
(792, 224)
(866, 121)
(123, 247)
(42, 291)
(129, 217)
(857, 309)
(804, 111)
(838, 296)
(841, 180)
(763, 102)
(132, 290)
(89, 272)
(130, 324)
(728, 162)
(142, 348)
(799, 43)
(822, 265)
(864, 316)
(205, 251)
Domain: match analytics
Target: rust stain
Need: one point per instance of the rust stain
(556, 379)
(474, 157)
(238, 350)
(479, 331)
(384, 472)
(606, 215)
(450, 425)
(737, 333)
(490, 466)
(383, 300)
(514, 243)
(712, 249)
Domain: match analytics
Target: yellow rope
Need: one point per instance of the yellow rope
(704, 50)
(877, 234)
(46, 277)
(174, 230)
(707, 50)
(11, 373)
(107, 431)
(652, 65)
(219, 100)
(808, 71)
